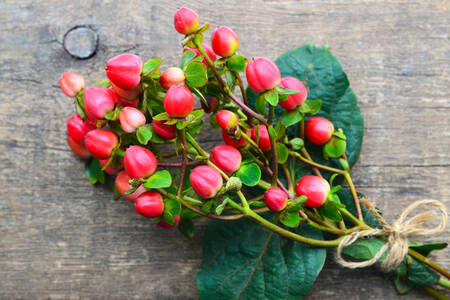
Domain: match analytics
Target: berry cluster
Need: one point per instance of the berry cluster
(122, 121)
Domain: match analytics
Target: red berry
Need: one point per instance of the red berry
(98, 101)
(262, 74)
(230, 141)
(209, 51)
(293, 100)
(186, 20)
(149, 204)
(124, 73)
(171, 76)
(78, 149)
(275, 199)
(110, 169)
(226, 119)
(315, 188)
(263, 139)
(126, 103)
(71, 83)
(224, 41)
(212, 104)
(77, 128)
(139, 162)
(227, 158)
(101, 143)
(131, 118)
(206, 181)
(165, 225)
(167, 132)
(318, 130)
(178, 101)
(122, 185)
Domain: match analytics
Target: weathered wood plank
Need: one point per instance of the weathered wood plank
(62, 238)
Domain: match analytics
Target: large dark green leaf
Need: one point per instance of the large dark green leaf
(346, 198)
(325, 79)
(241, 260)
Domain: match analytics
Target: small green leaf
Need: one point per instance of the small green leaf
(116, 193)
(186, 227)
(425, 249)
(155, 137)
(196, 74)
(237, 63)
(282, 153)
(151, 65)
(297, 143)
(195, 127)
(364, 249)
(420, 274)
(221, 206)
(290, 219)
(188, 55)
(172, 206)
(168, 218)
(159, 179)
(403, 285)
(340, 134)
(199, 95)
(314, 106)
(261, 105)
(330, 211)
(104, 83)
(94, 172)
(161, 116)
(334, 148)
(197, 114)
(291, 117)
(284, 91)
(271, 96)
(143, 134)
(272, 133)
(249, 174)
(230, 78)
(208, 206)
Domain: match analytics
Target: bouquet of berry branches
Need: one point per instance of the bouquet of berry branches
(273, 188)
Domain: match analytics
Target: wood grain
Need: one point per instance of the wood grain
(61, 238)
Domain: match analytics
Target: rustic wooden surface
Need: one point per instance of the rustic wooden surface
(62, 238)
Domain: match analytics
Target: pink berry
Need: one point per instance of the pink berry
(263, 139)
(78, 149)
(98, 101)
(296, 99)
(77, 128)
(318, 130)
(262, 74)
(110, 169)
(315, 188)
(131, 118)
(209, 51)
(230, 140)
(275, 199)
(139, 162)
(122, 184)
(165, 225)
(172, 76)
(186, 20)
(149, 204)
(227, 158)
(101, 143)
(124, 74)
(178, 101)
(167, 132)
(71, 83)
(224, 41)
(206, 181)
(226, 119)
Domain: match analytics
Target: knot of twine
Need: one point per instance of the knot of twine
(397, 233)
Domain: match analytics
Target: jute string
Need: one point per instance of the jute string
(397, 234)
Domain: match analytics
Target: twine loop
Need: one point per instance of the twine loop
(397, 234)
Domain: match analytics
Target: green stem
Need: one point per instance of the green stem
(314, 164)
(273, 147)
(435, 293)
(288, 178)
(241, 87)
(254, 145)
(349, 180)
(444, 282)
(314, 168)
(263, 184)
(183, 162)
(428, 262)
(194, 144)
(119, 152)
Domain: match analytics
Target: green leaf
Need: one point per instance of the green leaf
(94, 172)
(143, 134)
(291, 117)
(249, 174)
(172, 207)
(221, 206)
(196, 74)
(297, 143)
(290, 218)
(364, 249)
(311, 107)
(346, 198)
(161, 116)
(188, 55)
(151, 66)
(237, 63)
(330, 211)
(260, 104)
(284, 91)
(104, 83)
(241, 260)
(420, 274)
(325, 79)
(282, 153)
(425, 249)
(159, 179)
(272, 133)
(334, 148)
(271, 96)
(206, 208)
(186, 226)
(403, 285)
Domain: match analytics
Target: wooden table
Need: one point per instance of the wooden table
(62, 238)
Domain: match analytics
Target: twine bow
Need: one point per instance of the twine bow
(397, 233)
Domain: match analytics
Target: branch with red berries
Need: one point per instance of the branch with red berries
(280, 165)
